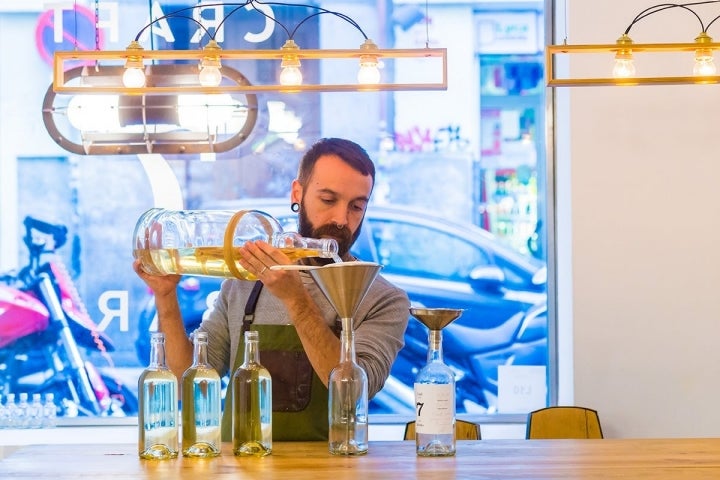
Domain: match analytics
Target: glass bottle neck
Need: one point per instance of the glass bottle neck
(435, 353)
(325, 247)
(157, 355)
(347, 346)
(252, 352)
(200, 353)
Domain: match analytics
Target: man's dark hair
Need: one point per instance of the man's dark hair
(350, 152)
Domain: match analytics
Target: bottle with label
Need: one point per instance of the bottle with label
(201, 404)
(348, 399)
(158, 406)
(252, 403)
(205, 242)
(435, 403)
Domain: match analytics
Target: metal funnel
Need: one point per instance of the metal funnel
(345, 284)
(436, 318)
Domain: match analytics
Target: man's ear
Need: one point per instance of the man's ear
(296, 191)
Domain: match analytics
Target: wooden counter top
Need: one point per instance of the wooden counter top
(655, 459)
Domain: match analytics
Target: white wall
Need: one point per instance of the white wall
(645, 223)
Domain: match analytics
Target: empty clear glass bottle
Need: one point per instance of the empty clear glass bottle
(204, 242)
(201, 404)
(35, 411)
(49, 414)
(348, 400)
(158, 406)
(3, 414)
(252, 403)
(23, 421)
(435, 403)
(11, 410)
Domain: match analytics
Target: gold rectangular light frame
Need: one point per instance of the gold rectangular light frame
(120, 56)
(553, 51)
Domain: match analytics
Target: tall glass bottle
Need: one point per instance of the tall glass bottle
(205, 242)
(158, 406)
(252, 403)
(435, 403)
(201, 404)
(348, 400)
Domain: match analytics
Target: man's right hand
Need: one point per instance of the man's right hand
(161, 285)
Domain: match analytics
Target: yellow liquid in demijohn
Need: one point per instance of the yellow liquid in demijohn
(205, 261)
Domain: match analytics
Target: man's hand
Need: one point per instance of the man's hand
(257, 257)
(161, 285)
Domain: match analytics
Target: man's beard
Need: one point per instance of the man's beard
(345, 239)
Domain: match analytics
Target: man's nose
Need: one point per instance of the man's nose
(340, 216)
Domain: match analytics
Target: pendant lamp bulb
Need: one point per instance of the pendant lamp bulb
(133, 77)
(290, 74)
(210, 76)
(210, 65)
(369, 73)
(704, 63)
(624, 66)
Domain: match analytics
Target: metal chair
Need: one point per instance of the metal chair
(563, 422)
(464, 430)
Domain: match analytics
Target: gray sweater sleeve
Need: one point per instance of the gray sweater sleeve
(380, 324)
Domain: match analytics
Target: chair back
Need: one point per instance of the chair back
(563, 422)
(464, 430)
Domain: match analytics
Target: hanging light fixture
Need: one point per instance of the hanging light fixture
(699, 64)
(179, 123)
(291, 59)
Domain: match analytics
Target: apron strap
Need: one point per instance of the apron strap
(250, 306)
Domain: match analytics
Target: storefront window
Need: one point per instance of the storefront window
(456, 216)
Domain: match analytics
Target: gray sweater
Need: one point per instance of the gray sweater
(380, 324)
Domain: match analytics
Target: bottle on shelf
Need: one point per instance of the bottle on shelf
(348, 400)
(23, 407)
(435, 402)
(205, 242)
(201, 404)
(49, 414)
(3, 414)
(158, 406)
(35, 411)
(252, 403)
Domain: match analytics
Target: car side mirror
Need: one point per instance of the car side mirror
(487, 278)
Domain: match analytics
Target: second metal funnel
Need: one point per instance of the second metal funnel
(436, 318)
(345, 284)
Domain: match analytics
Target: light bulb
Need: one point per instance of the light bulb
(704, 66)
(369, 74)
(624, 68)
(210, 76)
(134, 77)
(290, 73)
(290, 76)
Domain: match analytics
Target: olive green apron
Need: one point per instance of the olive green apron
(299, 397)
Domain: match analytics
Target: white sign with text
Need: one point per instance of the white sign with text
(521, 389)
